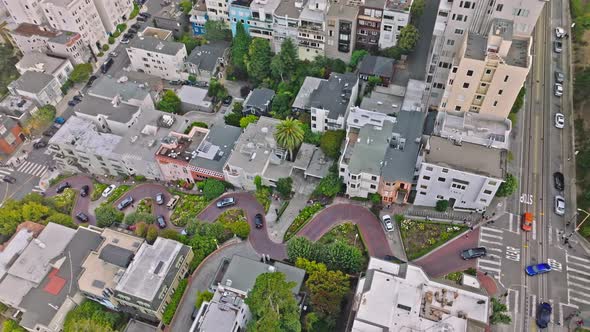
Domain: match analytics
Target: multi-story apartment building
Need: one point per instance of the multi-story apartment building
(172, 18)
(369, 22)
(218, 10)
(488, 72)
(312, 29)
(59, 68)
(11, 135)
(239, 11)
(42, 88)
(473, 128)
(396, 15)
(455, 19)
(261, 23)
(113, 12)
(79, 16)
(468, 183)
(285, 22)
(341, 26)
(25, 11)
(198, 17)
(157, 57)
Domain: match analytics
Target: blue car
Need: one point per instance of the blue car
(60, 120)
(533, 270)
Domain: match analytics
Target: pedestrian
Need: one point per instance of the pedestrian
(471, 227)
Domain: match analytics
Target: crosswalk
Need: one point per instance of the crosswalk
(491, 238)
(578, 274)
(27, 167)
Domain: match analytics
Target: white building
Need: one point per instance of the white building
(312, 29)
(218, 10)
(285, 22)
(38, 62)
(42, 88)
(466, 174)
(396, 15)
(113, 12)
(261, 23)
(473, 128)
(156, 57)
(25, 11)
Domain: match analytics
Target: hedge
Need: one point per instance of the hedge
(302, 219)
(174, 301)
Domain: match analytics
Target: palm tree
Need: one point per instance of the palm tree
(289, 135)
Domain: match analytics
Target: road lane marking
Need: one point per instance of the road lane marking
(510, 220)
(495, 249)
(533, 305)
(483, 228)
(576, 257)
(487, 261)
(492, 242)
(577, 271)
(570, 276)
(555, 265)
(578, 264)
(5, 172)
(492, 236)
(578, 285)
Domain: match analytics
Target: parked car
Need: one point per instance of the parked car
(106, 65)
(161, 221)
(559, 120)
(82, 217)
(559, 77)
(136, 26)
(125, 41)
(559, 181)
(132, 31)
(227, 201)
(113, 54)
(145, 14)
(195, 313)
(160, 198)
(258, 220)
(9, 179)
(172, 202)
(62, 186)
(533, 270)
(387, 223)
(559, 205)
(125, 203)
(227, 101)
(141, 19)
(128, 35)
(108, 191)
(558, 90)
(176, 82)
(50, 131)
(543, 315)
(527, 222)
(91, 80)
(84, 191)
(76, 97)
(474, 253)
(40, 144)
(73, 103)
(560, 32)
(557, 46)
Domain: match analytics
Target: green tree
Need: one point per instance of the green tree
(408, 37)
(356, 57)
(203, 297)
(239, 48)
(172, 234)
(499, 315)
(329, 186)
(281, 105)
(152, 234)
(248, 119)
(442, 205)
(240, 228)
(40, 119)
(233, 119)
(258, 182)
(331, 142)
(342, 256)
(62, 219)
(285, 62)
(289, 135)
(217, 30)
(11, 326)
(91, 316)
(259, 59)
(186, 6)
(216, 90)
(137, 217)
(81, 73)
(508, 187)
(213, 188)
(141, 229)
(273, 305)
(416, 10)
(519, 101)
(35, 212)
(310, 320)
(170, 102)
(285, 186)
(106, 215)
(10, 217)
(190, 41)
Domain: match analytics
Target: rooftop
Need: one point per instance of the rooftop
(205, 56)
(518, 54)
(161, 34)
(152, 44)
(137, 326)
(15, 247)
(287, 8)
(310, 84)
(83, 135)
(334, 94)
(112, 109)
(28, 29)
(259, 98)
(16, 106)
(194, 96)
(242, 3)
(255, 144)
(183, 146)
(170, 12)
(399, 5)
(473, 128)
(368, 150)
(221, 312)
(476, 46)
(382, 102)
(377, 66)
(32, 82)
(311, 14)
(40, 62)
(413, 96)
(65, 37)
(400, 159)
(216, 148)
(482, 160)
(343, 11)
(268, 5)
(127, 91)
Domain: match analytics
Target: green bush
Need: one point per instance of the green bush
(64, 202)
(106, 215)
(329, 186)
(213, 188)
(188, 208)
(508, 187)
(116, 34)
(11, 326)
(174, 301)
(111, 40)
(134, 12)
(302, 219)
(94, 317)
(139, 178)
(203, 297)
(135, 217)
(337, 255)
(442, 205)
(331, 141)
(117, 193)
(105, 47)
(519, 101)
(121, 27)
(285, 186)
(241, 229)
(196, 124)
(97, 190)
(263, 197)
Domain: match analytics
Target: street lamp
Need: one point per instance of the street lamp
(587, 215)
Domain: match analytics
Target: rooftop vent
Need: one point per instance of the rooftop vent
(160, 46)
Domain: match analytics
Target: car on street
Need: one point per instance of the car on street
(543, 315)
(73, 103)
(473, 253)
(557, 90)
(128, 35)
(40, 144)
(559, 120)
(224, 202)
(125, 203)
(161, 221)
(145, 14)
(132, 31)
(559, 205)
(527, 221)
(559, 77)
(59, 119)
(91, 80)
(227, 101)
(113, 54)
(76, 97)
(557, 46)
(104, 68)
(533, 270)
(82, 217)
(9, 179)
(125, 41)
(387, 223)
(136, 26)
(558, 181)
(50, 131)
(84, 190)
(108, 191)
(160, 198)
(176, 82)
(62, 186)
(560, 32)
(141, 19)
(258, 220)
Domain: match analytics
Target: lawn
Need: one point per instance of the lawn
(117, 193)
(347, 232)
(188, 208)
(421, 237)
(145, 205)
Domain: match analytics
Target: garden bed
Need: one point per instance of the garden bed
(64, 202)
(145, 205)
(188, 208)
(117, 193)
(97, 190)
(421, 237)
(263, 197)
(347, 232)
(302, 219)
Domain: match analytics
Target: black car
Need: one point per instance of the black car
(141, 19)
(62, 186)
(40, 144)
(8, 179)
(136, 26)
(132, 31)
(176, 82)
(227, 101)
(82, 217)
(146, 15)
(125, 203)
(91, 80)
(73, 103)
(49, 132)
(558, 181)
(77, 98)
(161, 222)
(473, 253)
(128, 35)
(258, 220)
(543, 315)
(84, 191)
(106, 65)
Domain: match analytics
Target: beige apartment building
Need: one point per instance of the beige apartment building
(490, 71)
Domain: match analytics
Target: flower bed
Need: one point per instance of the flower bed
(117, 193)
(97, 190)
(234, 221)
(64, 202)
(347, 232)
(421, 237)
(301, 220)
(145, 205)
(263, 197)
(188, 208)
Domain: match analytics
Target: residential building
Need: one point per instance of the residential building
(11, 135)
(473, 128)
(31, 37)
(38, 275)
(18, 108)
(156, 57)
(454, 22)
(396, 15)
(25, 11)
(467, 183)
(194, 99)
(208, 60)
(161, 34)
(80, 16)
(226, 311)
(368, 26)
(489, 72)
(171, 17)
(198, 155)
(146, 287)
(239, 11)
(113, 12)
(398, 297)
(312, 29)
(59, 68)
(198, 17)
(381, 154)
(377, 66)
(218, 10)
(258, 101)
(302, 102)
(42, 88)
(138, 326)
(261, 23)
(384, 100)
(285, 22)
(341, 27)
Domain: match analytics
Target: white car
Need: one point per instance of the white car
(387, 223)
(559, 32)
(558, 90)
(107, 192)
(559, 205)
(559, 120)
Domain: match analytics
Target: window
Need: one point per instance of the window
(426, 177)
(506, 78)
(487, 192)
(440, 197)
(341, 169)
(465, 85)
(353, 186)
(441, 179)
(387, 28)
(478, 97)
(470, 73)
(454, 70)
(422, 193)
(374, 178)
(429, 168)
(488, 71)
(423, 187)
(495, 103)
(499, 7)
(483, 200)
(450, 42)
(458, 108)
(373, 186)
(459, 31)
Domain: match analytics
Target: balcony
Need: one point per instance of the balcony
(482, 89)
(314, 28)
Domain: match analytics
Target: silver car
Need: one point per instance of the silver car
(559, 120)
(559, 205)
(387, 223)
(558, 90)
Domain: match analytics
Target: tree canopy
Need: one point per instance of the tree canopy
(212, 188)
(356, 57)
(408, 37)
(81, 73)
(40, 119)
(248, 119)
(170, 102)
(259, 59)
(331, 142)
(239, 49)
(217, 30)
(106, 215)
(91, 316)
(508, 187)
(289, 135)
(284, 63)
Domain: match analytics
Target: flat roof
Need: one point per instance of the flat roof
(473, 127)
(377, 65)
(217, 147)
(108, 87)
(382, 102)
(32, 81)
(28, 29)
(253, 147)
(16, 106)
(155, 45)
(41, 62)
(94, 106)
(194, 96)
(399, 163)
(221, 311)
(15, 247)
(476, 46)
(287, 9)
(81, 134)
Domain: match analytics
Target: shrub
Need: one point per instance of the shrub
(105, 47)
(141, 229)
(111, 40)
(442, 205)
(64, 202)
(139, 178)
(106, 215)
(212, 188)
(203, 297)
(302, 219)
(174, 301)
(196, 124)
(152, 234)
(263, 197)
(240, 228)
(331, 142)
(135, 217)
(134, 12)
(97, 190)
(508, 187)
(116, 34)
(375, 198)
(285, 186)
(187, 209)
(329, 186)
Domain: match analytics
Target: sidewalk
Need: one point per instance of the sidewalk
(277, 228)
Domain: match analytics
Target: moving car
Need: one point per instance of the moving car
(108, 191)
(161, 221)
(558, 90)
(387, 223)
(84, 191)
(558, 181)
(474, 253)
(258, 220)
(560, 32)
(59, 119)
(559, 77)
(91, 80)
(160, 198)
(125, 203)
(9, 179)
(62, 186)
(543, 314)
(106, 65)
(82, 217)
(227, 201)
(527, 222)
(533, 270)
(559, 205)
(40, 144)
(557, 46)
(559, 120)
